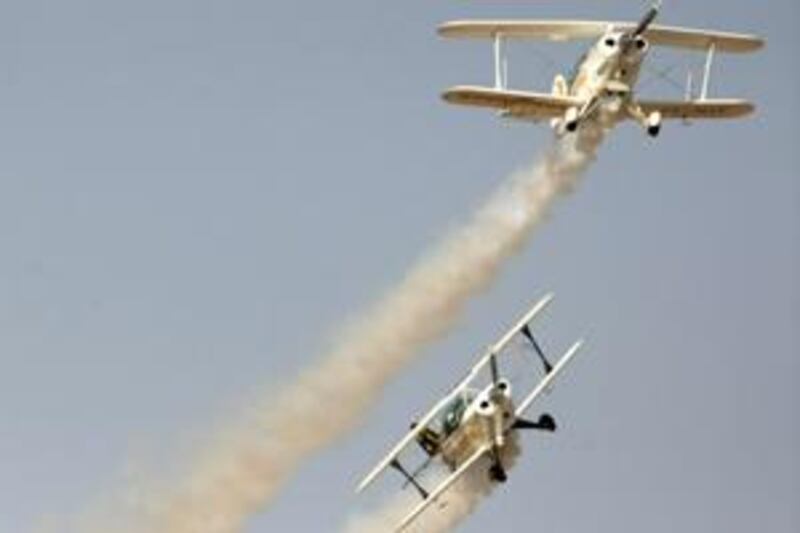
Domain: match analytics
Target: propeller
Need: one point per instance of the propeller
(495, 371)
(647, 20)
(630, 38)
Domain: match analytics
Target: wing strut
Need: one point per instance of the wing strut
(500, 63)
(707, 72)
(526, 330)
(409, 478)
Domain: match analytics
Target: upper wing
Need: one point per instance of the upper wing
(517, 103)
(549, 30)
(570, 30)
(702, 40)
(708, 109)
(443, 486)
(493, 350)
(527, 318)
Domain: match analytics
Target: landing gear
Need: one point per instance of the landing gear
(571, 120)
(654, 124)
(497, 473)
(651, 123)
(545, 423)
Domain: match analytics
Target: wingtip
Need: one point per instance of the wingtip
(443, 30)
(540, 305)
(448, 94)
(446, 29)
(363, 485)
(758, 43)
(545, 301)
(573, 350)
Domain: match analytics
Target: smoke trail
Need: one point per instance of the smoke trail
(452, 508)
(245, 469)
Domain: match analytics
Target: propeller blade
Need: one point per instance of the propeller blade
(495, 370)
(648, 19)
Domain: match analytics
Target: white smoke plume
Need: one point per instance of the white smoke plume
(245, 468)
(451, 509)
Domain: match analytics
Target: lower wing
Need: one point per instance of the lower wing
(443, 486)
(702, 109)
(546, 382)
(517, 103)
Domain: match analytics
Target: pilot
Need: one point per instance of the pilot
(429, 440)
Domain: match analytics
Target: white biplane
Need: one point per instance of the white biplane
(601, 87)
(474, 422)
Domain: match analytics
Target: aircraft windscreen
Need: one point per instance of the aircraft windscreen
(453, 413)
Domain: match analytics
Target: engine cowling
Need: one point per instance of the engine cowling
(486, 407)
(642, 45)
(504, 386)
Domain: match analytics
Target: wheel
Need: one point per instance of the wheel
(498, 474)
(547, 422)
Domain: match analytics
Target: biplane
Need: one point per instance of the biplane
(475, 422)
(600, 89)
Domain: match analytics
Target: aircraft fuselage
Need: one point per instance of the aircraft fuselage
(604, 80)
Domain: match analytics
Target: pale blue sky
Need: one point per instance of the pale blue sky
(193, 194)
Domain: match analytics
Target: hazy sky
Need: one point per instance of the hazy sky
(193, 194)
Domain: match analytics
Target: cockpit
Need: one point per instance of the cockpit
(451, 417)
